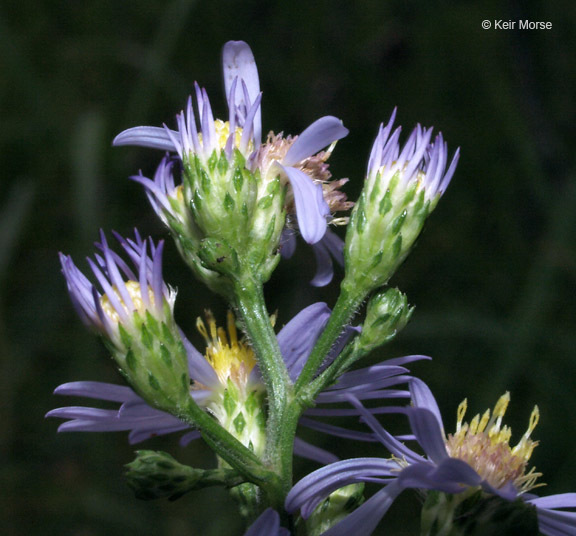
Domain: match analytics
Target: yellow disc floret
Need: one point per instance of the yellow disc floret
(222, 129)
(135, 293)
(230, 358)
(484, 445)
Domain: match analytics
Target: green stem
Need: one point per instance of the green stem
(281, 426)
(348, 356)
(230, 449)
(345, 308)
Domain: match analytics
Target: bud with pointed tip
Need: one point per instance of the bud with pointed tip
(388, 313)
(133, 312)
(403, 186)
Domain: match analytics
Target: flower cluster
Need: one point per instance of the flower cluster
(237, 192)
(234, 202)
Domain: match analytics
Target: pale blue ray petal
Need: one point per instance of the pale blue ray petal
(198, 367)
(287, 243)
(336, 431)
(335, 245)
(313, 488)
(297, 338)
(82, 412)
(238, 62)
(311, 452)
(369, 376)
(97, 390)
(311, 208)
(422, 397)
(561, 500)
(324, 268)
(556, 523)
(152, 137)
(451, 476)
(388, 440)
(426, 428)
(86, 425)
(318, 135)
(405, 360)
(331, 246)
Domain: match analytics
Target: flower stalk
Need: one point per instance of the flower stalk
(255, 318)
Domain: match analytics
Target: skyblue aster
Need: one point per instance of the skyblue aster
(243, 131)
(439, 469)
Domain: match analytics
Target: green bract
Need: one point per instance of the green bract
(153, 360)
(238, 218)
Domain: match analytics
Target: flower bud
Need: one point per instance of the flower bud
(156, 474)
(133, 312)
(388, 313)
(402, 188)
(237, 397)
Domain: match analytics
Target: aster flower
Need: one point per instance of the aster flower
(228, 372)
(133, 310)
(476, 458)
(296, 161)
(402, 187)
(243, 131)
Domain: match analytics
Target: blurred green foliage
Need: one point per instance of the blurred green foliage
(493, 276)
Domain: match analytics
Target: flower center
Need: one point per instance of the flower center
(222, 129)
(316, 167)
(484, 445)
(230, 358)
(223, 133)
(138, 304)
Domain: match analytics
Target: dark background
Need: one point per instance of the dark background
(493, 276)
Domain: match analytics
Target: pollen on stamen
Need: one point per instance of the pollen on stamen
(315, 166)
(484, 444)
(230, 357)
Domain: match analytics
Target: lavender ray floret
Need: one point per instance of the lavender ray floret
(318, 135)
(248, 132)
(97, 390)
(151, 137)
(295, 347)
(311, 208)
(426, 428)
(199, 369)
(336, 431)
(311, 452)
(315, 486)
(390, 442)
(414, 162)
(422, 397)
(324, 267)
(238, 63)
(109, 291)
